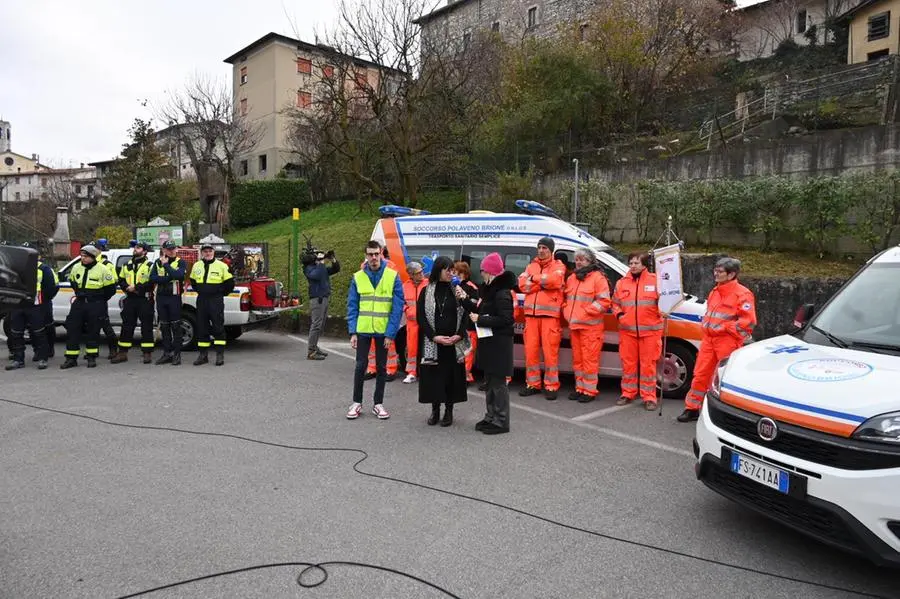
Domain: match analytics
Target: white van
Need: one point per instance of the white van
(470, 237)
(805, 428)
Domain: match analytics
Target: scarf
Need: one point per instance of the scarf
(429, 349)
(581, 273)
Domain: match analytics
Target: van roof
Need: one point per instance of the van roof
(494, 227)
(889, 256)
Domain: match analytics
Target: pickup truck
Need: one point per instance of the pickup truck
(240, 315)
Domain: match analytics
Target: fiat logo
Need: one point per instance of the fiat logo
(767, 429)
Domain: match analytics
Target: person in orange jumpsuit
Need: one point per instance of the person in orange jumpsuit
(462, 270)
(727, 325)
(587, 301)
(393, 360)
(636, 305)
(543, 284)
(411, 290)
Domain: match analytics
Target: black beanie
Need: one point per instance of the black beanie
(547, 242)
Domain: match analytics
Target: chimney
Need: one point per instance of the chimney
(82, 165)
(61, 241)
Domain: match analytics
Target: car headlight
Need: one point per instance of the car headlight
(716, 385)
(883, 429)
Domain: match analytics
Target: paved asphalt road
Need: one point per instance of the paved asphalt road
(98, 511)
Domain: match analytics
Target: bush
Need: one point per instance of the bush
(117, 236)
(814, 213)
(258, 202)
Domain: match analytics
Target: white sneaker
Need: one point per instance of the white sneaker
(355, 409)
(410, 378)
(379, 411)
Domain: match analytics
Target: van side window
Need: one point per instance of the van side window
(612, 275)
(517, 263)
(417, 252)
(474, 257)
(122, 261)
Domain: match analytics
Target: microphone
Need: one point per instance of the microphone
(455, 281)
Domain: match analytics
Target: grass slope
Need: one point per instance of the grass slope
(343, 227)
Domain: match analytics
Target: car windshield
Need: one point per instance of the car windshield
(866, 313)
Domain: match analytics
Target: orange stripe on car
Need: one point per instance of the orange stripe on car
(805, 420)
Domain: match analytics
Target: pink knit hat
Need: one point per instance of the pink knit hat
(492, 264)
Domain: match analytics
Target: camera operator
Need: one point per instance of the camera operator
(318, 274)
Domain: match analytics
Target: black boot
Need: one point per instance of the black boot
(166, 358)
(91, 361)
(176, 359)
(435, 414)
(220, 357)
(689, 416)
(447, 420)
(203, 358)
(69, 363)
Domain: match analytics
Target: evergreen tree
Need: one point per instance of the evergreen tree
(140, 183)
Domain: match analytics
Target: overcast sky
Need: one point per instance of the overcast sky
(73, 73)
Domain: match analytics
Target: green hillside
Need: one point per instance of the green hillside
(338, 226)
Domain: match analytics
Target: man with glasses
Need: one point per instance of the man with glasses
(727, 325)
(374, 308)
(212, 281)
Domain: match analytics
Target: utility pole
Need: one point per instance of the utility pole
(575, 207)
(3, 185)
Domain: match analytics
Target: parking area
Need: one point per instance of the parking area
(96, 510)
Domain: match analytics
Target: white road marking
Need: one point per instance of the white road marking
(599, 413)
(329, 348)
(574, 421)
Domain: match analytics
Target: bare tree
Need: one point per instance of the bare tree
(204, 121)
(385, 112)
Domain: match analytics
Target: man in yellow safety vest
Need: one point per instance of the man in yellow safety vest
(374, 309)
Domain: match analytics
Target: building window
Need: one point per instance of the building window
(304, 65)
(328, 71)
(878, 54)
(243, 75)
(78, 190)
(495, 26)
(304, 99)
(44, 196)
(467, 37)
(245, 169)
(17, 180)
(263, 163)
(361, 79)
(532, 16)
(244, 107)
(90, 191)
(43, 181)
(801, 21)
(879, 26)
(18, 196)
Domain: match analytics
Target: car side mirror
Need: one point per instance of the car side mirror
(803, 315)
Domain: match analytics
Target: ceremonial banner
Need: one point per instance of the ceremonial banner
(668, 277)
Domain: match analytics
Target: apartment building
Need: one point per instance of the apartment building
(271, 77)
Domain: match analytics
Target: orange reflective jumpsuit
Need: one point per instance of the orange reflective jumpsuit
(587, 302)
(393, 360)
(543, 285)
(411, 293)
(636, 304)
(727, 325)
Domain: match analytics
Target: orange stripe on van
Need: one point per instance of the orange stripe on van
(805, 420)
(395, 248)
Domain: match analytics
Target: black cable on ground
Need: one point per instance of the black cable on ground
(364, 457)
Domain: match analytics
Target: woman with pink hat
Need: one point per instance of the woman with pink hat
(493, 315)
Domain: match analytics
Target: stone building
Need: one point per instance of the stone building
(457, 21)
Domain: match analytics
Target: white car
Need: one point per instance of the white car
(805, 428)
(472, 236)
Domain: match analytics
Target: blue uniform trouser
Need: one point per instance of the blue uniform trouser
(31, 318)
(168, 309)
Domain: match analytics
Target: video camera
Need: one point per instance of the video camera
(18, 277)
(311, 255)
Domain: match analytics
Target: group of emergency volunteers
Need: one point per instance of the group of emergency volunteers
(556, 297)
(146, 285)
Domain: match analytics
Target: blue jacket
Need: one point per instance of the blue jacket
(49, 288)
(318, 276)
(396, 306)
(170, 275)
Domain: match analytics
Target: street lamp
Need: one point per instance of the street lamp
(575, 208)
(3, 186)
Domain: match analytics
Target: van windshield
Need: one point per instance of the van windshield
(865, 314)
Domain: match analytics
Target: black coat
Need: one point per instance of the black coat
(495, 311)
(446, 381)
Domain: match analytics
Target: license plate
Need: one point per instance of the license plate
(763, 473)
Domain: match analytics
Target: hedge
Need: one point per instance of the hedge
(810, 214)
(257, 202)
